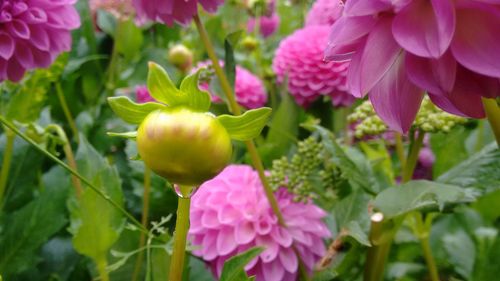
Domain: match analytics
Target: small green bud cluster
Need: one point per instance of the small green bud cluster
(331, 177)
(367, 123)
(295, 173)
(431, 119)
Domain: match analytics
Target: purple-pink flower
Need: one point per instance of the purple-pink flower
(168, 12)
(299, 61)
(267, 24)
(142, 94)
(249, 89)
(401, 49)
(230, 214)
(324, 12)
(33, 33)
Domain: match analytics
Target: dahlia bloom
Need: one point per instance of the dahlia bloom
(249, 89)
(401, 49)
(121, 9)
(168, 12)
(33, 33)
(230, 214)
(142, 94)
(299, 60)
(324, 12)
(267, 24)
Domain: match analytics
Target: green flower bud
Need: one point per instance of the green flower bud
(249, 43)
(183, 146)
(180, 56)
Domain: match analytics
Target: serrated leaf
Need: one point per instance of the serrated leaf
(461, 252)
(32, 225)
(247, 126)
(127, 135)
(162, 88)
(130, 111)
(95, 224)
(417, 195)
(234, 268)
(198, 100)
(480, 171)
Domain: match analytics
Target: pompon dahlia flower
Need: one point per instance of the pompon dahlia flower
(249, 89)
(168, 12)
(299, 60)
(324, 12)
(230, 214)
(33, 33)
(267, 24)
(401, 49)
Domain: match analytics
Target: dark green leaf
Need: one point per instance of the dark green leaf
(234, 268)
(130, 111)
(198, 100)
(246, 126)
(461, 252)
(283, 128)
(229, 62)
(351, 215)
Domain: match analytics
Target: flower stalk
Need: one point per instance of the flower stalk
(144, 221)
(493, 114)
(6, 162)
(67, 112)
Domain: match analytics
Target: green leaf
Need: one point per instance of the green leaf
(127, 135)
(480, 171)
(130, 111)
(95, 224)
(27, 229)
(446, 144)
(128, 39)
(229, 62)
(234, 268)
(247, 126)
(163, 89)
(461, 252)
(351, 215)
(417, 195)
(198, 100)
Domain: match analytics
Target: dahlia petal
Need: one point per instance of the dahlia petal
(225, 241)
(244, 232)
(274, 271)
(7, 46)
(436, 76)
(209, 219)
(282, 236)
(395, 99)
(19, 29)
(425, 28)
(3, 69)
(345, 36)
(39, 38)
(15, 71)
(271, 248)
(476, 41)
(365, 7)
(24, 55)
(289, 259)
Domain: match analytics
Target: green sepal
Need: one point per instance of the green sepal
(127, 135)
(130, 111)
(247, 126)
(234, 268)
(162, 89)
(197, 99)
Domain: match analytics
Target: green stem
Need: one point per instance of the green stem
(73, 172)
(144, 221)
(7, 160)
(412, 159)
(493, 114)
(101, 268)
(379, 251)
(400, 150)
(235, 109)
(67, 112)
(423, 236)
(180, 236)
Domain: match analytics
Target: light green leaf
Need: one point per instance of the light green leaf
(461, 252)
(247, 126)
(234, 268)
(127, 135)
(162, 88)
(417, 195)
(128, 39)
(229, 62)
(130, 111)
(95, 224)
(198, 100)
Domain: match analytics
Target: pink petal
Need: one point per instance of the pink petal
(424, 28)
(476, 43)
(15, 71)
(436, 76)
(365, 7)
(7, 46)
(282, 236)
(244, 232)
(271, 248)
(395, 99)
(225, 241)
(273, 271)
(289, 260)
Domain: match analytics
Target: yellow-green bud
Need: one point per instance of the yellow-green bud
(180, 56)
(249, 43)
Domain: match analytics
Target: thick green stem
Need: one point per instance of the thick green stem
(180, 237)
(101, 268)
(67, 112)
(7, 160)
(400, 151)
(235, 109)
(411, 161)
(144, 221)
(493, 113)
(423, 235)
(379, 251)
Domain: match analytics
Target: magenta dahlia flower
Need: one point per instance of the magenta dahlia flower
(299, 60)
(267, 24)
(324, 12)
(230, 214)
(168, 12)
(249, 89)
(33, 33)
(401, 49)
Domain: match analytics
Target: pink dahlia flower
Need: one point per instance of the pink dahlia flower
(142, 94)
(121, 9)
(324, 12)
(230, 214)
(249, 89)
(401, 49)
(33, 33)
(267, 24)
(168, 12)
(299, 60)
